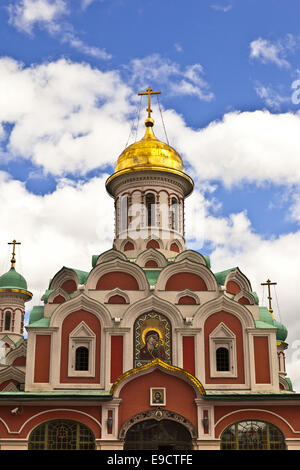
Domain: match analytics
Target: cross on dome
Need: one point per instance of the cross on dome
(13, 260)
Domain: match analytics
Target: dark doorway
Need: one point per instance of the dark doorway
(164, 435)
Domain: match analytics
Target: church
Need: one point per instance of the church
(150, 349)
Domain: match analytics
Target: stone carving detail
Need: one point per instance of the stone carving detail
(158, 415)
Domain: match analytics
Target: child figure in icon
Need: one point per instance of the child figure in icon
(153, 347)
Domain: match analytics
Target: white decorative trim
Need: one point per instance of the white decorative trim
(151, 254)
(110, 255)
(237, 276)
(65, 274)
(189, 293)
(58, 291)
(12, 373)
(13, 354)
(120, 266)
(192, 256)
(223, 337)
(116, 291)
(186, 266)
(82, 336)
(247, 295)
(254, 409)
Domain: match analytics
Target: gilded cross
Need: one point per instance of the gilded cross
(149, 92)
(13, 260)
(269, 284)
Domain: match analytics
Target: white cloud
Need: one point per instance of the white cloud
(28, 14)
(271, 97)
(64, 114)
(64, 228)
(178, 81)
(274, 52)
(253, 146)
(25, 14)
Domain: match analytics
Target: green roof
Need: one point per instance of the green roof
(56, 395)
(152, 276)
(12, 280)
(221, 276)
(81, 275)
(266, 318)
(36, 314)
(42, 323)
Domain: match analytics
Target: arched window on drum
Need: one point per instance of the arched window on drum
(174, 214)
(150, 209)
(124, 204)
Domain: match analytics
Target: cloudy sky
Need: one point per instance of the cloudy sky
(229, 71)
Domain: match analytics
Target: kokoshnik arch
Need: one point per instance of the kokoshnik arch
(150, 349)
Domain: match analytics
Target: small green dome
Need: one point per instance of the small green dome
(12, 280)
(281, 332)
(266, 317)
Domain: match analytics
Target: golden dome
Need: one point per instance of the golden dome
(149, 154)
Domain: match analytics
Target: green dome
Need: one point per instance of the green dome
(281, 332)
(12, 280)
(266, 317)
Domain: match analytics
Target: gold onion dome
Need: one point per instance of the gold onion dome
(149, 153)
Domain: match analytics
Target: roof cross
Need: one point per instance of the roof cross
(149, 92)
(13, 260)
(269, 284)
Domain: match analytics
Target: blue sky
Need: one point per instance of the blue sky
(229, 73)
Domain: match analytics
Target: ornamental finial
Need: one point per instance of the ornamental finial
(13, 260)
(149, 121)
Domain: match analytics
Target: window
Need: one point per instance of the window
(222, 359)
(222, 347)
(123, 213)
(7, 323)
(252, 435)
(82, 350)
(61, 435)
(150, 208)
(175, 214)
(82, 358)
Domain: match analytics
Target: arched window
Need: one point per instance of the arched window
(7, 321)
(82, 358)
(252, 435)
(222, 359)
(150, 208)
(174, 214)
(123, 213)
(62, 434)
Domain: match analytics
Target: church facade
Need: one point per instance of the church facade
(150, 349)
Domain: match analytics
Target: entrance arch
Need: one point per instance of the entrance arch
(158, 430)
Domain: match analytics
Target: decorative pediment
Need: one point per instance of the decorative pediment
(10, 387)
(222, 332)
(152, 303)
(191, 255)
(82, 331)
(225, 304)
(56, 293)
(13, 354)
(148, 368)
(187, 266)
(12, 373)
(118, 265)
(65, 274)
(239, 278)
(110, 255)
(151, 254)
